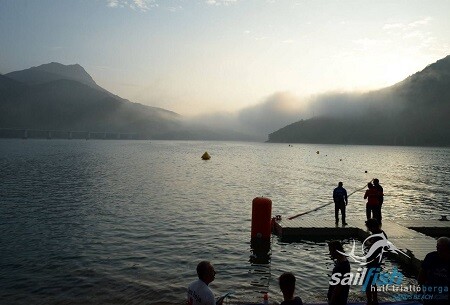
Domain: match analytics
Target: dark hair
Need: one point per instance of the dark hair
(336, 245)
(287, 283)
(340, 183)
(372, 223)
(444, 241)
(376, 181)
(203, 268)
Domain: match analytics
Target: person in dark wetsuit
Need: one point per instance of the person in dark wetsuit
(340, 202)
(379, 188)
(435, 273)
(374, 261)
(287, 286)
(338, 294)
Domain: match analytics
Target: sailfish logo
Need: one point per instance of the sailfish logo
(379, 247)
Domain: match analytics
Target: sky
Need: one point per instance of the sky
(198, 57)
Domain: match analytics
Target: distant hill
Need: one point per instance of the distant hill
(415, 111)
(65, 97)
(52, 72)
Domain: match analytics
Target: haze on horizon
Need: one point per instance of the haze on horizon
(229, 62)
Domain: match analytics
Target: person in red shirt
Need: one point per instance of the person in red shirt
(373, 205)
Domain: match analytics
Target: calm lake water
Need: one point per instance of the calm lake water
(126, 222)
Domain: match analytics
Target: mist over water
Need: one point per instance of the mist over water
(101, 222)
(283, 108)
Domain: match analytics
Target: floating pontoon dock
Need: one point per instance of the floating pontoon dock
(406, 235)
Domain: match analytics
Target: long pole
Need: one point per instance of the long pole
(322, 206)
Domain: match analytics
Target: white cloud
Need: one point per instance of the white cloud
(146, 5)
(113, 3)
(407, 26)
(414, 34)
(390, 26)
(420, 22)
(174, 9)
(142, 5)
(220, 2)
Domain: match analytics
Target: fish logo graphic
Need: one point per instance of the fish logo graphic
(379, 247)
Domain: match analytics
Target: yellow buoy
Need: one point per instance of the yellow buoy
(206, 156)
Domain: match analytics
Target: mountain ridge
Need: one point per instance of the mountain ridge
(413, 111)
(53, 71)
(65, 97)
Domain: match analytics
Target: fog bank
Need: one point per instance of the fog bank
(283, 108)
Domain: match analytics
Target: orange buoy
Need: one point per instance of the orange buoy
(261, 218)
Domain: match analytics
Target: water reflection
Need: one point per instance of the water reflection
(94, 222)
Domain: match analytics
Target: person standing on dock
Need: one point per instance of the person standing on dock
(435, 273)
(373, 207)
(379, 188)
(287, 287)
(340, 202)
(374, 260)
(338, 292)
(198, 291)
